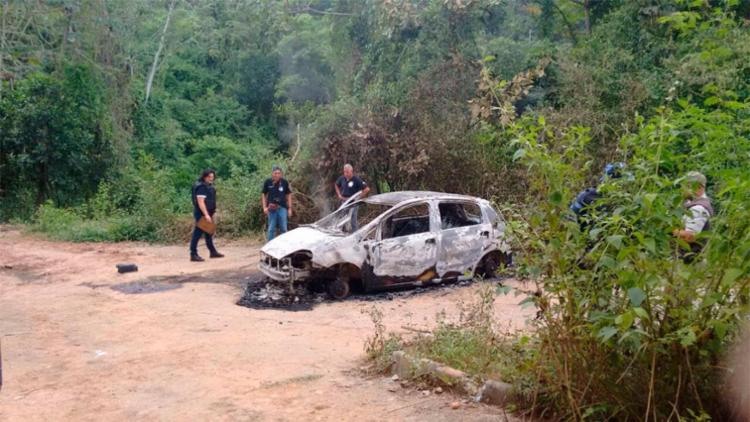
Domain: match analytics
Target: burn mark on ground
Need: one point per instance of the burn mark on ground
(271, 295)
(144, 286)
(238, 278)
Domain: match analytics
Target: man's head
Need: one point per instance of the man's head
(276, 173)
(208, 176)
(694, 184)
(348, 171)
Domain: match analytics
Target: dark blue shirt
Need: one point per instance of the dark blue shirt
(209, 192)
(350, 187)
(276, 192)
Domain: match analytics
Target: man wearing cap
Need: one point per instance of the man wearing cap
(698, 215)
(348, 184)
(277, 202)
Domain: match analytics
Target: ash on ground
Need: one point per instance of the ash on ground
(270, 295)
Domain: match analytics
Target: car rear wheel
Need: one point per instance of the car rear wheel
(491, 262)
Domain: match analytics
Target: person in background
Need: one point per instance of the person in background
(347, 185)
(204, 205)
(697, 219)
(584, 201)
(277, 202)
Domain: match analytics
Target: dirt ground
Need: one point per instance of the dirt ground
(82, 342)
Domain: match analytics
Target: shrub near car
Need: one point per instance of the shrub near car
(392, 239)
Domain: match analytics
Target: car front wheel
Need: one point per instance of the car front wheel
(339, 288)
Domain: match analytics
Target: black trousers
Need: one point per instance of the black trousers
(197, 234)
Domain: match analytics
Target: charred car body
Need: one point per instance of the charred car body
(391, 239)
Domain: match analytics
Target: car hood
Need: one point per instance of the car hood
(301, 238)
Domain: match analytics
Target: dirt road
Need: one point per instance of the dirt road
(81, 342)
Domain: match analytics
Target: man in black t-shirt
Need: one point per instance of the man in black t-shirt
(348, 184)
(277, 202)
(204, 205)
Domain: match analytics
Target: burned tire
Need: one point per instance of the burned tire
(339, 288)
(491, 262)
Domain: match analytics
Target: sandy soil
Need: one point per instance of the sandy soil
(75, 348)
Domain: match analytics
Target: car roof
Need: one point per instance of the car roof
(394, 198)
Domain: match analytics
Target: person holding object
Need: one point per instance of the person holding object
(204, 207)
(277, 202)
(348, 184)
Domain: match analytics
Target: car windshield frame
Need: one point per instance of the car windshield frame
(340, 221)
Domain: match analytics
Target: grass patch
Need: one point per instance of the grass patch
(472, 344)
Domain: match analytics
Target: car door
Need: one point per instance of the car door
(406, 247)
(463, 236)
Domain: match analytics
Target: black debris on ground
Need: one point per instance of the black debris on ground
(271, 295)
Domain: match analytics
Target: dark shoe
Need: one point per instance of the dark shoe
(217, 255)
(196, 258)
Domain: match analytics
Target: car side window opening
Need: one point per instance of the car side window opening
(459, 214)
(411, 220)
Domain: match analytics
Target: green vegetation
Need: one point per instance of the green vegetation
(109, 110)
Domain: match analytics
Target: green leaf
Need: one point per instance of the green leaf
(606, 333)
(529, 301)
(624, 321)
(503, 290)
(607, 262)
(731, 275)
(556, 197)
(650, 244)
(687, 337)
(720, 329)
(640, 313)
(520, 153)
(594, 233)
(711, 101)
(636, 295)
(615, 241)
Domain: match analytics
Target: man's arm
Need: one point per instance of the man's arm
(694, 224)
(685, 235)
(338, 191)
(365, 191)
(264, 203)
(202, 206)
(289, 204)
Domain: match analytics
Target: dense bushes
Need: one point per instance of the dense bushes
(617, 302)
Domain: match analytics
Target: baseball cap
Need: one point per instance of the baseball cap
(696, 177)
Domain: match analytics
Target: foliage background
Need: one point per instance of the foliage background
(518, 101)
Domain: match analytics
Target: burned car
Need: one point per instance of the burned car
(391, 239)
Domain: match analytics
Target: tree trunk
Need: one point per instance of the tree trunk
(587, 14)
(155, 64)
(3, 4)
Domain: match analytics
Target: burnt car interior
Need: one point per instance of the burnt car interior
(408, 221)
(350, 219)
(454, 215)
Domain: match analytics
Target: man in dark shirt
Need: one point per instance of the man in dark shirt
(204, 205)
(277, 202)
(348, 184)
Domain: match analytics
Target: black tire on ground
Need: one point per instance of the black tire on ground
(339, 288)
(489, 265)
(491, 262)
